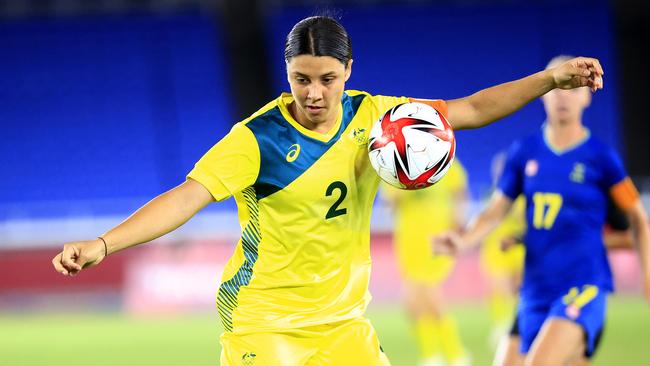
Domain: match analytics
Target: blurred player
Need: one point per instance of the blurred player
(616, 236)
(422, 271)
(502, 261)
(566, 176)
(296, 288)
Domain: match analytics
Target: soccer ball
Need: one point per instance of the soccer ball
(411, 146)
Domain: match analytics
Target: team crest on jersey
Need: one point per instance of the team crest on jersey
(532, 167)
(578, 173)
(359, 136)
(248, 359)
(572, 311)
(294, 151)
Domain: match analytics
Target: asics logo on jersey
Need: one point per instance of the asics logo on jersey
(292, 155)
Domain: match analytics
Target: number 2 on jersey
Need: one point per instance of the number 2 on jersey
(335, 210)
(546, 206)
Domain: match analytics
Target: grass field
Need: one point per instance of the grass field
(114, 339)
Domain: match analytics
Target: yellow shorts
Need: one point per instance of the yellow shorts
(417, 262)
(351, 342)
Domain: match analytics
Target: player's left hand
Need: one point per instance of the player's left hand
(579, 72)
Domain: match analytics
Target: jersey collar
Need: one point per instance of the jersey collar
(559, 151)
(283, 103)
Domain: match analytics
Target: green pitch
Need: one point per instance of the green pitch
(114, 339)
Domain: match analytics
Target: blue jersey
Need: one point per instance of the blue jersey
(566, 205)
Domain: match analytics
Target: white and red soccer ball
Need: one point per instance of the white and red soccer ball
(411, 146)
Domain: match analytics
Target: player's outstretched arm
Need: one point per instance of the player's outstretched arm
(158, 217)
(491, 104)
(478, 229)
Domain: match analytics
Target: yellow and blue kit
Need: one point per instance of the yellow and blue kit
(304, 203)
(566, 271)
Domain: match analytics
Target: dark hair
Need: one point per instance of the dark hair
(319, 36)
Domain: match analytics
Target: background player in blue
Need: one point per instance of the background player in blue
(296, 289)
(566, 176)
(616, 235)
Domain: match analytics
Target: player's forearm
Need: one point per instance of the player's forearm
(158, 217)
(479, 228)
(492, 104)
(487, 220)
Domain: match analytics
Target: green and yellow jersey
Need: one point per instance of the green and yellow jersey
(414, 209)
(304, 202)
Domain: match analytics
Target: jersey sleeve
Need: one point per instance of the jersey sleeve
(616, 182)
(438, 104)
(511, 180)
(613, 170)
(384, 103)
(229, 166)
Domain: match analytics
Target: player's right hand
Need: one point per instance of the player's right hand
(448, 243)
(79, 255)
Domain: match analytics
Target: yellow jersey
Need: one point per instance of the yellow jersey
(304, 203)
(433, 209)
(421, 214)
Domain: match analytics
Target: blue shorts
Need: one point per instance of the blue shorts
(585, 306)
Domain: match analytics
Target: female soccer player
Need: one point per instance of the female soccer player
(616, 236)
(422, 271)
(296, 288)
(502, 261)
(566, 176)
